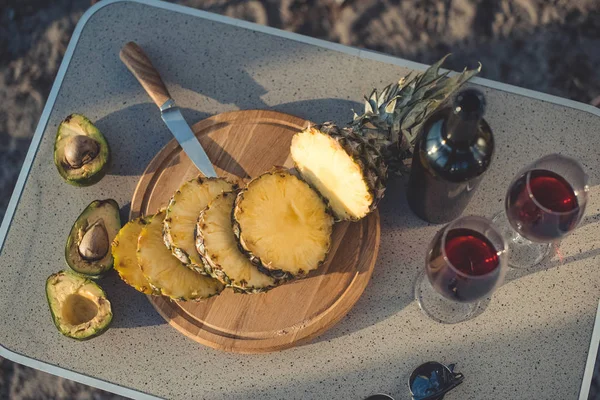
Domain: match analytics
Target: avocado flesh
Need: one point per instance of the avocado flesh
(93, 154)
(88, 246)
(79, 306)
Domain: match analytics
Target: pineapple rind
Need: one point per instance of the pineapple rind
(186, 252)
(124, 248)
(215, 268)
(264, 267)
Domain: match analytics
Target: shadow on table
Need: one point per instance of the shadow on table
(590, 219)
(555, 259)
(136, 133)
(490, 360)
(124, 212)
(545, 265)
(395, 199)
(131, 308)
(391, 286)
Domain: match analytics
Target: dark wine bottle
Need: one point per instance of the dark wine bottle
(452, 152)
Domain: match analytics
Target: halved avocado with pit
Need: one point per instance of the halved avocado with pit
(88, 246)
(81, 152)
(79, 306)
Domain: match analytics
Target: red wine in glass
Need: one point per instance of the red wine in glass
(472, 268)
(465, 262)
(542, 206)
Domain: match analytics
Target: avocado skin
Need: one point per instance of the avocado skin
(97, 175)
(95, 332)
(95, 269)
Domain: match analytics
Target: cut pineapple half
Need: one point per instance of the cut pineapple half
(282, 224)
(218, 245)
(182, 214)
(347, 171)
(124, 248)
(165, 272)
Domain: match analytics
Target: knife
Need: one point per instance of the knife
(141, 67)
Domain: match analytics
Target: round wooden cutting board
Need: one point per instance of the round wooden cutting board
(244, 144)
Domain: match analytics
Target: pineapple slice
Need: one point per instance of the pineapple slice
(346, 170)
(217, 244)
(282, 224)
(165, 272)
(182, 214)
(124, 248)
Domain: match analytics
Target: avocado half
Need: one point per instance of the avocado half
(88, 246)
(81, 152)
(78, 305)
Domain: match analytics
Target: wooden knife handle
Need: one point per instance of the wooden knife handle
(141, 67)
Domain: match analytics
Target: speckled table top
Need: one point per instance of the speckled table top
(531, 343)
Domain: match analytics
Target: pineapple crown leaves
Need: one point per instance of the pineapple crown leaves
(392, 118)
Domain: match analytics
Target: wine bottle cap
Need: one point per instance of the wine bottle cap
(469, 104)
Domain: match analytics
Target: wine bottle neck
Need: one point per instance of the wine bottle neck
(460, 129)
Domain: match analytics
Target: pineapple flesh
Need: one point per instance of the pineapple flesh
(346, 171)
(217, 243)
(124, 248)
(165, 272)
(182, 214)
(282, 224)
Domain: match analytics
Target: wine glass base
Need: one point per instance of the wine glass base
(442, 309)
(523, 253)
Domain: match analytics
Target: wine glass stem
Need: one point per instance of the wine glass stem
(442, 309)
(523, 253)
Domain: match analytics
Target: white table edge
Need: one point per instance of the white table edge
(591, 359)
(132, 393)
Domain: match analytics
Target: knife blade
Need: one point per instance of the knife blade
(141, 67)
(172, 117)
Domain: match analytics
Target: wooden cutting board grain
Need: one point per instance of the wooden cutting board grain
(243, 144)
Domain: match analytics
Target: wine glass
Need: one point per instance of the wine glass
(464, 264)
(544, 203)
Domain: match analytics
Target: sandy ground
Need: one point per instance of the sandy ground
(550, 46)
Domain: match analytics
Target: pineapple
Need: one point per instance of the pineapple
(217, 244)
(165, 272)
(345, 169)
(378, 140)
(182, 213)
(282, 224)
(124, 248)
(392, 119)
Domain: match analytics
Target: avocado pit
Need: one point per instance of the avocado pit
(94, 244)
(80, 150)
